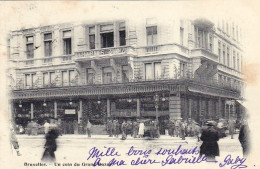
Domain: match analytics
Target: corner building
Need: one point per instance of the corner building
(126, 69)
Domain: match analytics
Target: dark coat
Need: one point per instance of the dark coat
(50, 146)
(244, 138)
(209, 147)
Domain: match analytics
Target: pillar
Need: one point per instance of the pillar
(55, 109)
(31, 110)
(108, 108)
(174, 106)
(190, 107)
(80, 110)
(138, 105)
(219, 113)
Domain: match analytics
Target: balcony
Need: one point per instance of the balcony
(105, 53)
(44, 61)
(203, 53)
(229, 70)
(162, 49)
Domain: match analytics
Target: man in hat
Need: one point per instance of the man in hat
(209, 136)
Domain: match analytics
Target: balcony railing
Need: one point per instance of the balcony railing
(229, 70)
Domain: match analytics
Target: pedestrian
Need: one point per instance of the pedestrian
(141, 129)
(210, 137)
(135, 129)
(88, 127)
(177, 128)
(117, 128)
(46, 126)
(231, 127)
(124, 130)
(14, 142)
(114, 128)
(182, 130)
(50, 146)
(34, 128)
(244, 137)
(110, 128)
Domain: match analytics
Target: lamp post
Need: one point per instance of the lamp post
(156, 106)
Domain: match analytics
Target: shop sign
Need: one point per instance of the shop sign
(70, 111)
(112, 51)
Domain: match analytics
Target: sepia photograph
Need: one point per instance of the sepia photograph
(153, 84)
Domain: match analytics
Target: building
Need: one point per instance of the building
(126, 69)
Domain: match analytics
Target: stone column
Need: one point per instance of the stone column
(80, 110)
(219, 113)
(55, 109)
(108, 108)
(138, 105)
(190, 107)
(32, 111)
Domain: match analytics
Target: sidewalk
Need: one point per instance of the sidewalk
(106, 137)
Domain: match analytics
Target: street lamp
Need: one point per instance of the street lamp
(156, 105)
(44, 103)
(20, 104)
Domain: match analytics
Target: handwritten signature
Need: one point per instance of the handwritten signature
(172, 157)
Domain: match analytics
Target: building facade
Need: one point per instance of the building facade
(126, 69)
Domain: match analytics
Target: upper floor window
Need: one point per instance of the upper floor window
(48, 44)
(30, 47)
(30, 80)
(90, 76)
(234, 59)
(68, 77)
(238, 63)
(153, 71)
(49, 79)
(67, 47)
(151, 33)
(122, 41)
(183, 69)
(107, 35)
(233, 30)
(181, 35)
(224, 54)
(219, 51)
(92, 40)
(125, 73)
(107, 75)
(211, 42)
(228, 56)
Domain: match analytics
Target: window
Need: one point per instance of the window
(182, 69)
(224, 54)
(228, 57)
(45, 79)
(220, 79)
(107, 35)
(27, 80)
(107, 75)
(67, 42)
(157, 70)
(30, 80)
(72, 77)
(92, 37)
(181, 35)
(153, 71)
(52, 78)
(65, 80)
(237, 33)
(48, 44)
(151, 33)
(233, 30)
(148, 71)
(125, 74)
(234, 59)
(238, 66)
(122, 41)
(219, 51)
(211, 42)
(30, 47)
(90, 76)
(201, 38)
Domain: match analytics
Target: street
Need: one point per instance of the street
(77, 149)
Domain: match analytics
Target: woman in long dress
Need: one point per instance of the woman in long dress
(50, 146)
(141, 129)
